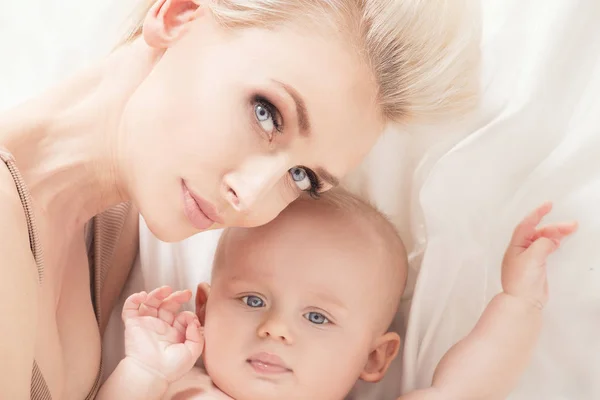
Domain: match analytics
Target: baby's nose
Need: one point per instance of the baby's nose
(275, 329)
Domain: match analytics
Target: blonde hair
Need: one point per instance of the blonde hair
(423, 54)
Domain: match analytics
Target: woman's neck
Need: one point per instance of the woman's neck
(67, 142)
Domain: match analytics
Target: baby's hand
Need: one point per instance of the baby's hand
(159, 337)
(524, 264)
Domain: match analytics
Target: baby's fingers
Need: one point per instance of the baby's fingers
(556, 232)
(542, 248)
(548, 239)
(194, 339)
(132, 305)
(524, 233)
(183, 320)
(171, 305)
(155, 298)
(188, 325)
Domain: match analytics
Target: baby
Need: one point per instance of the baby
(300, 309)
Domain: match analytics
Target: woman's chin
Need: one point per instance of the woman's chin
(169, 230)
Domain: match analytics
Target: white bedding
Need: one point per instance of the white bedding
(454, 192)
(539, 139)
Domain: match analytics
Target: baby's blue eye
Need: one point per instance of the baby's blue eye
(253, 301)
(316, 318)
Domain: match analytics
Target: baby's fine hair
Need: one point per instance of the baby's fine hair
(368, 217)
(422, 54)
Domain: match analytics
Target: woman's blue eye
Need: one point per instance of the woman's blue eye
(301, 178)
(253, 301)
(261, 112)
(316, 318)
(266, 118)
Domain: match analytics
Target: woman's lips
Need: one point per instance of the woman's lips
(199, 211)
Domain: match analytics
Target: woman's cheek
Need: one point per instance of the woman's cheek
(281, 195)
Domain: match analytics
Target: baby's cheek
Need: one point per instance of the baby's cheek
(330, 367)
(215, 356)
(223, 357)
(340, 348)
(212, 339)
(224, 338)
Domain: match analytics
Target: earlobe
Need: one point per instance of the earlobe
(202, 293)
(384, 352)
(168, 20)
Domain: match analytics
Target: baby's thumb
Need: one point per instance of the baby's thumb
(194, 338)
(542, 248)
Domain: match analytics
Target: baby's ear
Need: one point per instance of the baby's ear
(385, 350)
(202, 293)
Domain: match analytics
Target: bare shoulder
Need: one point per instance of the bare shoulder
(195, 385)
(18, 292)
(14, 237)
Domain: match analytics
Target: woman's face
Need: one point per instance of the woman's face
(245, 121)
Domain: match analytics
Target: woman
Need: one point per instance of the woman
(216, 113)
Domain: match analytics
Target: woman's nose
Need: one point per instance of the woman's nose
(253, 179)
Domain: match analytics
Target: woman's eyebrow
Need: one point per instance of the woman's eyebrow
(301, 110)
(327, 177)
(304, 125)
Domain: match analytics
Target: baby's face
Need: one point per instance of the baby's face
(293, 313)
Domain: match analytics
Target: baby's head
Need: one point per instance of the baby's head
(300, 308)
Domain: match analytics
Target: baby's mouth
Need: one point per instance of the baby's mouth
(270, 364)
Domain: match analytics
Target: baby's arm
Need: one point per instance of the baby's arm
(487, 363)
(195, 385)
(161, 345)
(132, 381)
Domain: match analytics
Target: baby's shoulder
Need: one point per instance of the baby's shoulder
(195, 385)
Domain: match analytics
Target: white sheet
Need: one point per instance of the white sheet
(454, 198)
(539, 139)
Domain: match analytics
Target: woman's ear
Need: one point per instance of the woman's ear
(202, 293)
(167, 21)
(385, 350)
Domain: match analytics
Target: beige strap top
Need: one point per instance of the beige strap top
(104, 232)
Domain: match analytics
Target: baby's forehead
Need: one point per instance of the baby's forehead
(318, 273)
(331, 248)
(313, 232)
(321, 228)
(336, 220)
(326, 247)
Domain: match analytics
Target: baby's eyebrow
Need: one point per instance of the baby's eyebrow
(255, 276)
(237, 282)
(330, 299)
